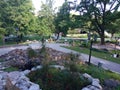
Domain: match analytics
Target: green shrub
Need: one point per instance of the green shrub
(85, 44)
(52, 79)
(73, 67)
(31, 53)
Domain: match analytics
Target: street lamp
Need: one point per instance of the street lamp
(90, 53)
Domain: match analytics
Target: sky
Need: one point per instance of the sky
(37, 4)
(57, 3)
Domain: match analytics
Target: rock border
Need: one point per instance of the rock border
(95, 83)
(21, 81)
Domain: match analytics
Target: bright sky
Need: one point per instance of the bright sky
(37, 3)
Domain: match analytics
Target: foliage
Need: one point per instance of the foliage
(98, 72)
(10, 69)
(16, 15)
(85, 44)
(71, 62)
(62, 19)
(52, 79)
(46, 18)
(31, 53)
(107, 55)
(114, 27)
(97, 12)
(74, 31)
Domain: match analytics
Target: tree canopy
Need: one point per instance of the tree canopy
(46, 18)
(63, 18)
(16, 15)
(98, 11)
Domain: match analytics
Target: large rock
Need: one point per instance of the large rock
(14, 76)
(26, 72)
(111, 83)
(58, 67)
(34, 87)
(16, 81)
(95, 82)
(90, 87)
(10, 86)
(1, 77)
(90, 78)
(39, 67)
(19, 58)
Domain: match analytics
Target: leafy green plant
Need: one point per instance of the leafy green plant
(52, 79)
(85, 44)
(31, 53)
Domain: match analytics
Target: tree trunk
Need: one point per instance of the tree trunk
(102, 38)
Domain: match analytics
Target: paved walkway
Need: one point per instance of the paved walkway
(106, 64)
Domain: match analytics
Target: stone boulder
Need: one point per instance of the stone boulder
(95, 83)
(10, 86)
(16, 81)
(111, 83)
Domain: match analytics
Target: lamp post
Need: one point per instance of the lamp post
(90, 53)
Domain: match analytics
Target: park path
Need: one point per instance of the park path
(108, 65)
(105, 64)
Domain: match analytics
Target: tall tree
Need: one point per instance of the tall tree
(46, 18)
(3, 14)
(63, 18)
(113, 23)
(96, 11)
(114, 27)
(16, 15)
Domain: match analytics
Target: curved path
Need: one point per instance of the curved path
(105, 64)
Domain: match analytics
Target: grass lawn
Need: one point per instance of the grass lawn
(96, 72)
(100, 73)
(97, 53)
(11, 69)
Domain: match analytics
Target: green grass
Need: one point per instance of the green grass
(96, 72)
(77, 35)
(10, 69)
(100, 73)
(97, 53)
